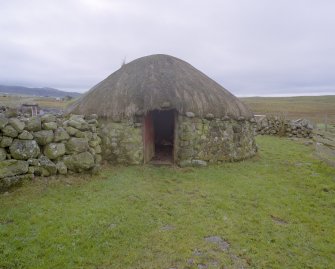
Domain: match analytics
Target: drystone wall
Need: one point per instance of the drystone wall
(213, 140)
(122, 141)
(46, 145)
(300, 128)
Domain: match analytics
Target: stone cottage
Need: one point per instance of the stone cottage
(159, 108)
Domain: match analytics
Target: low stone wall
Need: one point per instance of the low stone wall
(214, 140)
(122, 141)
(300, 128)
(46, 145)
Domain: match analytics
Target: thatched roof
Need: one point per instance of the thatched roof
(153, 82)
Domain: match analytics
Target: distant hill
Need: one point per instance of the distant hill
(50, 92)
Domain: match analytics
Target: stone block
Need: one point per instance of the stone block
(49, 125)
(54, 150)
(61, 134)
(25, 135)
(3, 121)
(24, 149)
(6, 141)
(44, 137)
(10, 131)
(48, 118)
(76, 145)
(79, 162)
(3, 154)
(34, 124)
(10, 168)
(17, 124)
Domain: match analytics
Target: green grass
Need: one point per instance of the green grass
(276, 210)
(314, 108)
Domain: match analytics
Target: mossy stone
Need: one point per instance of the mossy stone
(10, 168)
(10, 131)
(54, 150)
(24, 149)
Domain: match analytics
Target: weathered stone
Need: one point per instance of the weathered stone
(97, 149)
(49, 125)
(25, 135)
(80, 134)
(94, 143)
(71, 130)
(48, 165)
(79, 162)
(84, 134)
(190, 114)
(17, 124)
(10, 168)
(24, 149)
(97, 158)
(48, 118)
(185, 163)
(78, 123)
(92, 128)
(199, 163)
(61, 135)
(3, 154)
(34, 162)
(95, 169)
(54, 150)
(9, 130)
(44, 137)
(31, 170)
(280, 126)
(91, 150)
(3, 121)
(237, 128)
(6, 141)
(61, 168)
(76, 145)
(186, 153)
(34, 124)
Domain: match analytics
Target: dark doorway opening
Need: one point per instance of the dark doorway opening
(162, 136)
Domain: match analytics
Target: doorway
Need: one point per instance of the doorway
(159, 130)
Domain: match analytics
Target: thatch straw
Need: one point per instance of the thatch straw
(150, 82)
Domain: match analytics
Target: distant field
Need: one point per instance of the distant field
(43, 102)
(314, 108)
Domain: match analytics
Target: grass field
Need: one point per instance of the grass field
(276, 210)
(15, 101)
(314, 108)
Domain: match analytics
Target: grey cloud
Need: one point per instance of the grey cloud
(251, 47)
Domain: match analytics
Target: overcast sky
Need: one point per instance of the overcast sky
(251, 47)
